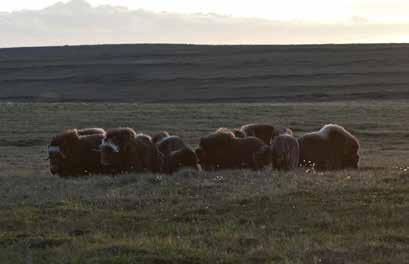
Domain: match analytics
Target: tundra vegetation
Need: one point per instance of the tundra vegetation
(240, 216)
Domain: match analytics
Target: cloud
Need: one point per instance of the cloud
(77, 22)
(381, 10)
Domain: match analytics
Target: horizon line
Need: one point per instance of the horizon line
(204, 44)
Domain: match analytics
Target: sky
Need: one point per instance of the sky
(325, 11)
(270, 9)
(46, 22)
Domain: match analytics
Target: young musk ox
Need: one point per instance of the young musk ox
(126, 151)
(177, 155)
(331, 148)
(285, 150)
(262, 131)
(222, 150)
(159, 136)
(76, 152)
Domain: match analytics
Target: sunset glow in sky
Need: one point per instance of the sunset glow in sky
(326, 11)
(78, 22)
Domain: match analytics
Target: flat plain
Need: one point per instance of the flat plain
(190, 73)
(221, 217)
(211, 217)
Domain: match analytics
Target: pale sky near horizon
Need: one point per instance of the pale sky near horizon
(182, 21)
(326, 11)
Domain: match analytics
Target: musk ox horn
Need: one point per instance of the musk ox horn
(199, 168)
(56, 149)
(110, 145)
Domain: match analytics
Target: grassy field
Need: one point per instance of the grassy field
(221, 217)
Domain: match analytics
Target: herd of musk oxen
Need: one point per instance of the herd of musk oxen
(78, 152)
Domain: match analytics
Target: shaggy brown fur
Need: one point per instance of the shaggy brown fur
(217, 139)
(261, 131)
(120, 135)
(250, 152)
(209, 157)
(146, 155)
(235, 132)
(126, 151)
(159, 136)
(286, 151)
(222, 150)
(91, 131)
(177, 155)
(72, 154)
(331, 148)
(203, 160)
(224, 130)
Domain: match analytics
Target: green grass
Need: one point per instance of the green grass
(221, 217)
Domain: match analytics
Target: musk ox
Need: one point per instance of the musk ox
(285, 150)
(159, 136)
(125, 151)
(251, 152)
(262, 131)
(222, 150)
(74, 154)
(177, 155)
(209, 156)
(330, 148)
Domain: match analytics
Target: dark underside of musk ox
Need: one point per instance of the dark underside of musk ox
(125, 151)
(222, 150)
(331, 148)
(177, 155)
(76, 152)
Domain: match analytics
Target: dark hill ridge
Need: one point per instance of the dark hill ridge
(190, 73)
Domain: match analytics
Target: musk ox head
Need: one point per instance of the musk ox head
(182, 158)
(115, 143)
(61, 149)
(263, 156)
(201, 155)
(145, 154)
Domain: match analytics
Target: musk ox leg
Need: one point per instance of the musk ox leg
(337, 161)
(255, 164)
(263, 157)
